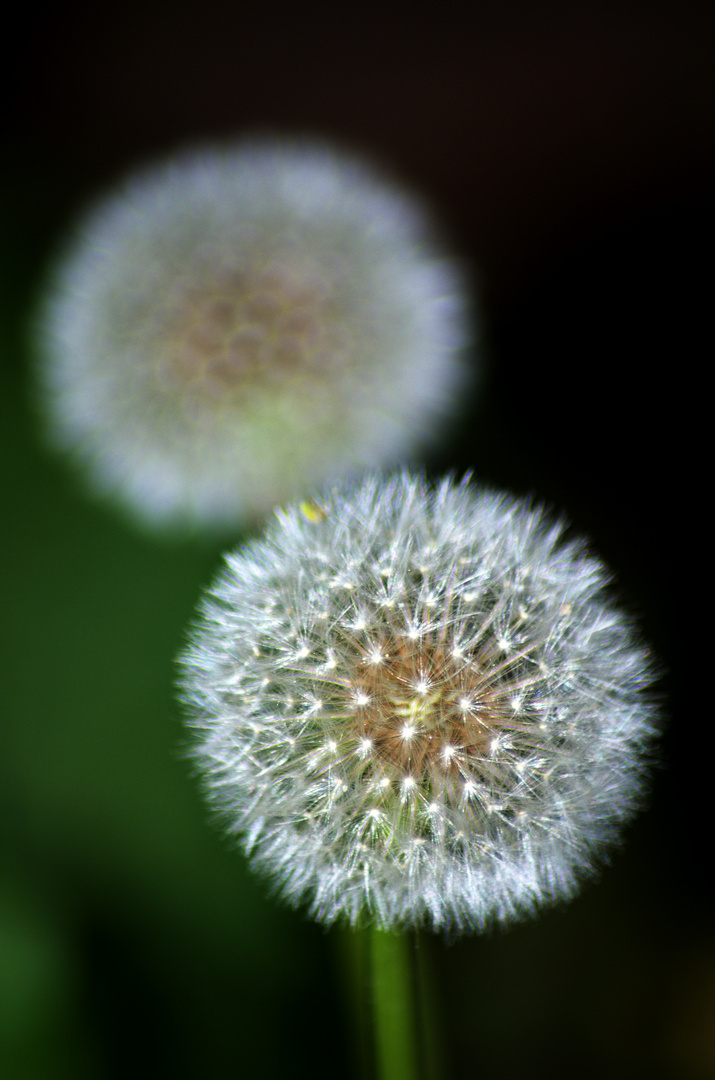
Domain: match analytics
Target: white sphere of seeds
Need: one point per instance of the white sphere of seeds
(235, 326)
(417, 705)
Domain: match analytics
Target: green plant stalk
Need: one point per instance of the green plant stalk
(394, 1006)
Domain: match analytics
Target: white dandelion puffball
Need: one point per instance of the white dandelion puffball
(416, 705)
(239, 325)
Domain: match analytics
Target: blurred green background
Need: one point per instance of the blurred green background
(569, 151)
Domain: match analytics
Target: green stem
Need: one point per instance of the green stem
(394, 1006)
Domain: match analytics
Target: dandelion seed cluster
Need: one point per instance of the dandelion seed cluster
(416, 705)
(239, 325)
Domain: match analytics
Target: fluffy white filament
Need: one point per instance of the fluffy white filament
(241, 324)
(417, 705)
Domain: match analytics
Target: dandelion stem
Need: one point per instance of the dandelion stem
(393, 1006)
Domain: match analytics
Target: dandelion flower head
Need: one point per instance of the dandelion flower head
(238, 325)
(416, 705)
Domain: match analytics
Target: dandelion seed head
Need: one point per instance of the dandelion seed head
(240, 324)
(466, 782)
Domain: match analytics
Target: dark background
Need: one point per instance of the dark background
(568, 149)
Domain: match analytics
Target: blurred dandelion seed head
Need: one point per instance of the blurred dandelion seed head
(419, 706)
(239, 325)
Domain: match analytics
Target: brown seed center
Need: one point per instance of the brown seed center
(425, 711)
(247, 328)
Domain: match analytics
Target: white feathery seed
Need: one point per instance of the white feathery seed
(456, 777)
(241, 324)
